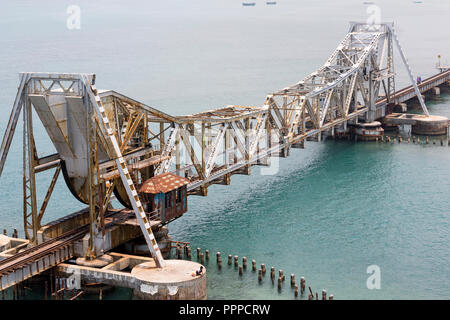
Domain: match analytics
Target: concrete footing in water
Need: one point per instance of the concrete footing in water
(178, 280)
(432, 125)
(420, 124)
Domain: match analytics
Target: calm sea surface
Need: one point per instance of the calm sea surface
(332, 209)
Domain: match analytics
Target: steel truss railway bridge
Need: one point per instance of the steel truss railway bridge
(108, 143)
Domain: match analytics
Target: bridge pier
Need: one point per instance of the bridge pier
(430, 126)
(436, 91)
(180, 279)
(420, 124)
(401, 107)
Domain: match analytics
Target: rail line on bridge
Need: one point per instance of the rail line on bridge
(109, 143)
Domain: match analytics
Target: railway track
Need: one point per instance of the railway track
(29, 255)
(423, 84)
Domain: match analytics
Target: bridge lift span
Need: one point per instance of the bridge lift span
(108, 143)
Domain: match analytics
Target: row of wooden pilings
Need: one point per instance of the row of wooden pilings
(414, 139)
(18, 291)
(183, 249)
(14, 234)
(59, 290)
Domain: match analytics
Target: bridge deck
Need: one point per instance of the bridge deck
(408, 93)
(34, 260)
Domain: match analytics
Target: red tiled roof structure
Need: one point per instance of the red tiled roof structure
(163, 183)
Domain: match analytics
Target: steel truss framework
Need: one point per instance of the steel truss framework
(107, 142)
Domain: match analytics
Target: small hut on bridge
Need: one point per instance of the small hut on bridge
(165, 196)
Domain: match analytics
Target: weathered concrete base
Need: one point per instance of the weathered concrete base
(10, 246)
(176, 281)
(420, 124)
(140, 247)
(5, 243)
(431, 126)
(368, 131)
(436, 91)
(98, 262)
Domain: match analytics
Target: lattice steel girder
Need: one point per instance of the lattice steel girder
(208, 145)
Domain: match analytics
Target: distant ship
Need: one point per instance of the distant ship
(248, 4)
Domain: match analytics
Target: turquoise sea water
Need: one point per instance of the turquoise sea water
(333, 208)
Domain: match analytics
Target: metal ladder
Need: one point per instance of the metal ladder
(115, 153)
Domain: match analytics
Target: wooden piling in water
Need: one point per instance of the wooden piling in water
(324, 294)
(280, 283)
(241, 270)
(296, 290)
(259, 275)
(207, 254)
(272, 273)
(236, 261)
(202, 258)
(331, 297)
(230, 258)
(263, 269)
(281, 274)
(188, 252)
(218, 258)
(302, 284)
(244, 262)
(292, 280)
(253, 265)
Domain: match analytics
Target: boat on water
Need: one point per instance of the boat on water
(248, 4)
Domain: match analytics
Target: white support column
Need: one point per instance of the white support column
(413, 81)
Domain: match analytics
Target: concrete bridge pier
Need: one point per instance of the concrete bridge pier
(178, 280)
(436, 91)
(401, 107)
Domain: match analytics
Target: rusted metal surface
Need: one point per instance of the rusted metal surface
(38, 258)
(163, 183)
(108, 143)
(165, 196)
